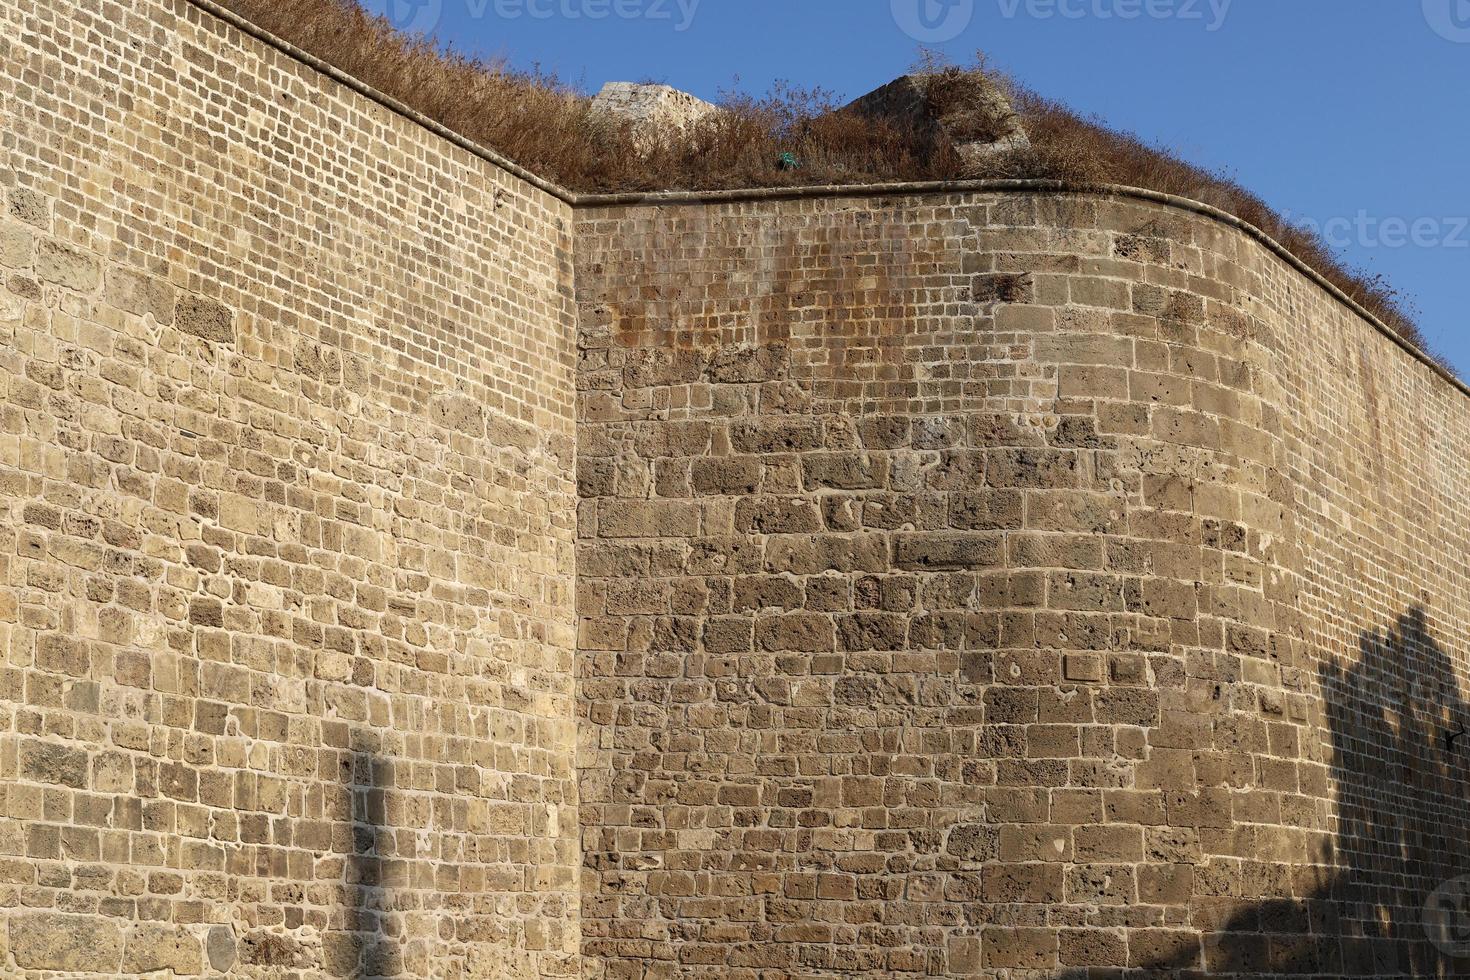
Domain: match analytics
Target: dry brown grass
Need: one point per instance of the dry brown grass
(549, 127)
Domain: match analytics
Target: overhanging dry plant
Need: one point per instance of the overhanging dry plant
(550, 128)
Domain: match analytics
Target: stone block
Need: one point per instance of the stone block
(17, 248)
(1021, 948)
(973, 842)
(1034, 884)
(776, 435)
(777, 515)
(139, 294)
(1093, 948)
(732, 476)
(153, 948)
(205, 318)
(48, 762)
(795, 632)
(29, 206)
(1083, 668)
(67, 265)
(67, 943)
(952, 551)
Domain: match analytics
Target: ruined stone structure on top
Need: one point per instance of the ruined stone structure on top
(410, 569)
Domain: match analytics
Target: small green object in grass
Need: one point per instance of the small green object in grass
(788, 161)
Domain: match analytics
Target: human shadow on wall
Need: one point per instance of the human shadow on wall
(359, 945)
(1403, 791)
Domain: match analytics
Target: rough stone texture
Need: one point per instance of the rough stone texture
(979, 585)
(980, 123)
(651, 108)
(287, 646)
(1007, 585)
(76, 943)
(154, 948)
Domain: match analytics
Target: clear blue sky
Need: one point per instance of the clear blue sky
(1351, 111)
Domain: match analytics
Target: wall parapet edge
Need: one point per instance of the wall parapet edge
(662, 198)
(383, 99)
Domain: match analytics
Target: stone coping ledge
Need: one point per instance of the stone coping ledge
(909, 188)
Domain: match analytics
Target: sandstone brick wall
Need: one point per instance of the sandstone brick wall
(984, 583)
(286, 522)
(967, 584)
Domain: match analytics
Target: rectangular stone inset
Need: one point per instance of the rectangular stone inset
(1083, 668)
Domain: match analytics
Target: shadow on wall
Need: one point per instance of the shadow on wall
(359, 944)
(1403, 800)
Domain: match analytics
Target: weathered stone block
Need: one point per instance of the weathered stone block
(796, 632)
(205, 318)
(17, 248)
(1082, 667)
(47, 762)
(152, 948)
(844, 471)
(731, 477)
(459, 413)
(777, 515)
(1026, 883)
(74, 943)
(29, 206)
(1038, 468)
(140, 294)
(973, 842)
(776, 435)
(1022, 949)
(1092, 947)
(264, 948)
(872, 631)
(750, 365)
(936, 552)
(67, 265)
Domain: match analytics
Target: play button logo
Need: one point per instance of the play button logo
(413, 16)
(933, 21)
(1449, 18)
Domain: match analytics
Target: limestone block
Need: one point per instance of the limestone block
(651, 108)
(75, 943)
(967, 110)
(206, 319)
(67, 265)
(155, 947)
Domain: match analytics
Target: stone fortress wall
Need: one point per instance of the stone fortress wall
(968, 582)
(286, 521)
(986, 582)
